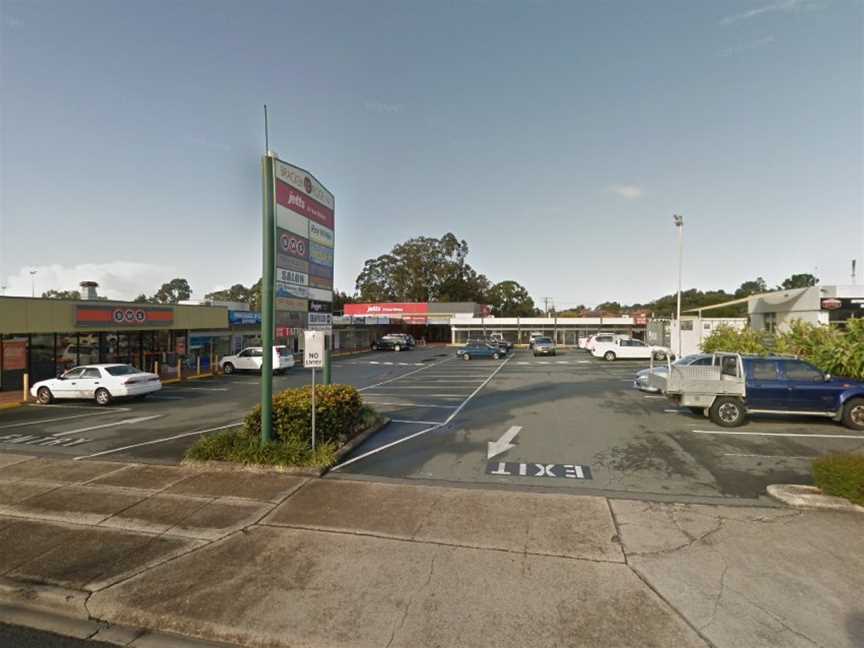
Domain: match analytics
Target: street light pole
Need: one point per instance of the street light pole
(679, 225)
(33, 282)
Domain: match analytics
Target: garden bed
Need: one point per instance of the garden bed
(342, 423)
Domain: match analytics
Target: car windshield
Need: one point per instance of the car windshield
(122, 370)
(543, 340)
(688, 359)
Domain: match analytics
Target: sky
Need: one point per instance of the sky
(556, 138)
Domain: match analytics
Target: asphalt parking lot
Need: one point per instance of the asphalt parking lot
(568, 422)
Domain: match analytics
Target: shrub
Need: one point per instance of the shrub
(239, 446)
(731, 340)
(835, 351)
(337, 414)
(841, 475)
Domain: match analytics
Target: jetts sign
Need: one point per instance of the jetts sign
(109, 317)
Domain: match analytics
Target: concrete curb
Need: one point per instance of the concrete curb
(48, 621)
(811, 497)
(360, 438)
(5, 406)
(59, 600)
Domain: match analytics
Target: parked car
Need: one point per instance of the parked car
(490, 341)
(101, 382)
(544, 346)
(736, 386)
(629, 349)
(602, 338)
(498, 338)
(533, 336)
(642, 379)
(480, 350)
(252, 359)
(390, 343)
(408, 340)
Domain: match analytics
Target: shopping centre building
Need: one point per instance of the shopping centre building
(41, 337)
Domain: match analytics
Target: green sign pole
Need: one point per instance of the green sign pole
(267, 285)
(328, 349)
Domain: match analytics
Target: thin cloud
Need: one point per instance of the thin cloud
(383, 108)
(780, 6)
(116, 279)
(630, 192)
(12, 22)
(746, 47)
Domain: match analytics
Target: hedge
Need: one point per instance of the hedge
(835, 351)
(337, 413)
(841, 475)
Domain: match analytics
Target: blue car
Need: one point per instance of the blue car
(480, 350)
(780, 385)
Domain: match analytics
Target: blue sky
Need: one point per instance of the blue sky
(557, 138)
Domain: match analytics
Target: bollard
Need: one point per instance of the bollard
(156, 367)
(179, 368)
(199, 366)
(26, 386)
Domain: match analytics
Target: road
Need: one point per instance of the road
(20, 637)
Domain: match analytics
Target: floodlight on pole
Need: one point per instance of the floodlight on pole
(679, 225)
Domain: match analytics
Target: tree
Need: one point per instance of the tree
(803, 280)
(236, 293)
(172, 292)
(422, 269)
(340, 299)
(141, 299)
(755, 287)
(510, 299)
(61, 294)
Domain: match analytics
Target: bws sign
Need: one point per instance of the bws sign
(122, 316)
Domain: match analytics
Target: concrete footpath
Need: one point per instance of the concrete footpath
(149, 555)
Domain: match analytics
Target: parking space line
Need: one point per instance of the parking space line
(400, 376)
(783, 434)
(166, 398)
(429, 429)
(64, 418)
(155, 441)
(415, 422)
(213, 389)
(420, 405)
(56, 406)
(131, 421)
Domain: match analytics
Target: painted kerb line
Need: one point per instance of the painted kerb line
(429, 429)
(858, 437)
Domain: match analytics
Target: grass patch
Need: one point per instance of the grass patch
(841, 475)
(243, 445)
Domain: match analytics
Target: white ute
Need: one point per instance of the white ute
(252, 359)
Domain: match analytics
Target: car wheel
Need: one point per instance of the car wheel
(103, 396)
(228, 368)
(397, 348)
(44, 396)
(728, 412)
(465, 356)
(609, 355)
(698, 411)
(853, 414)
(495, 356)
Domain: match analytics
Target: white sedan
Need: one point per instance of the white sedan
(102, 382)
(630, 349)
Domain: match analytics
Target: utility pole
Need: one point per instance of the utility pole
(33, 282)
(853, 271)
(679, 225)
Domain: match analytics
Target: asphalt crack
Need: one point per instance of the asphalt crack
(397, 627)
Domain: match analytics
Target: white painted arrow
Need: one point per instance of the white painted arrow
(503, 444)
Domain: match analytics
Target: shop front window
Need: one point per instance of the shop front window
(42, 360)
(69, 352)
(13, 361)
